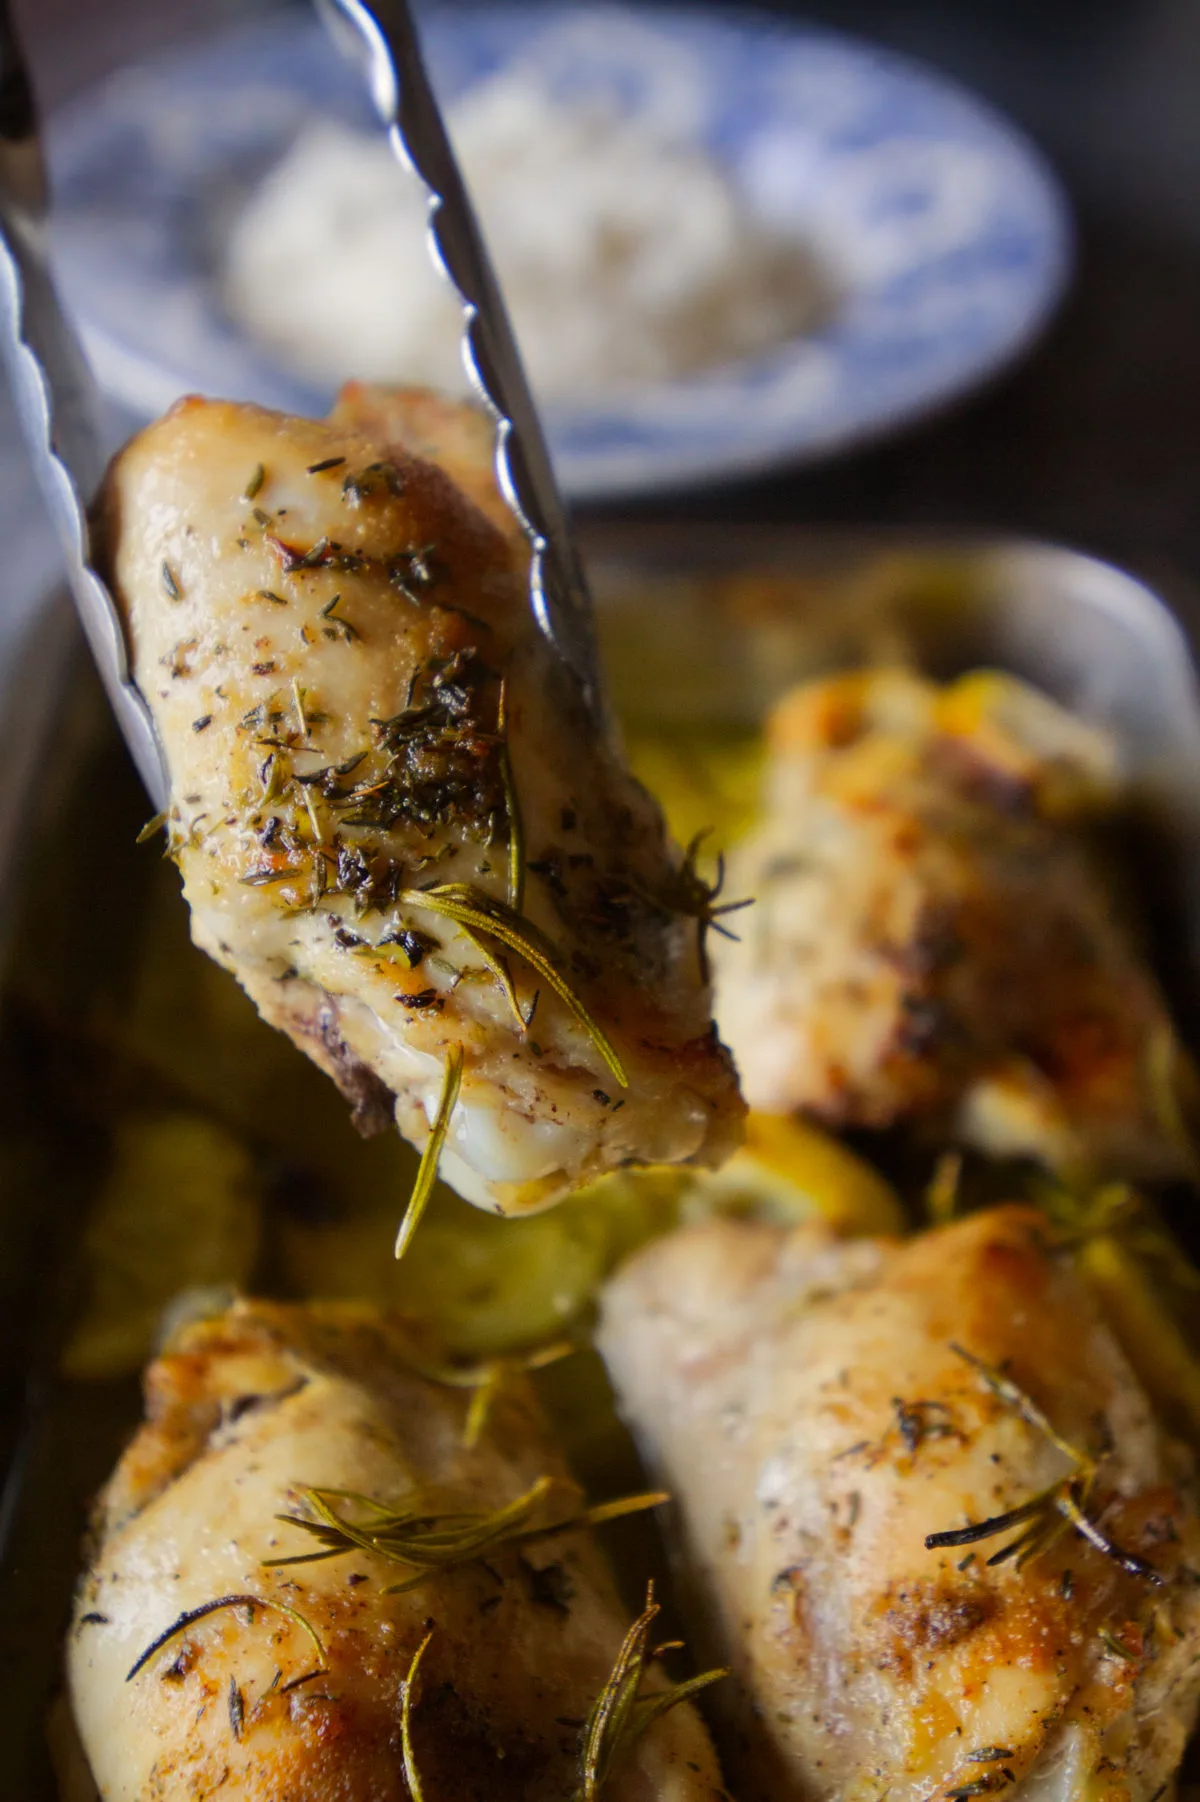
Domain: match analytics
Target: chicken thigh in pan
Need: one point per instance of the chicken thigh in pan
(396, 821)
(307, 1682)
(934, 943)
(924, 1510)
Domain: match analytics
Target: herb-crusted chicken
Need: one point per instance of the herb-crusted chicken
(934, 943)
(396, 822)
(926, 1511)
(309, 1680)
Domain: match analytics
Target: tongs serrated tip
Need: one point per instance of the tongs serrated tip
(58, 405)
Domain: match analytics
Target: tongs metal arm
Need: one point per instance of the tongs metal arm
(55, 396)
(385, 42)
(57, 402)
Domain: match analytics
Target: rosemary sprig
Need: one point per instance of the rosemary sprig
(482, 913)
(486, 1381)
(688, 894)
(192, 1615)
(412, 1775)
(619, 1716)
(431, 1539)
(512, 807)
(491, 1378)
(427, 1170)
(1055, 1510)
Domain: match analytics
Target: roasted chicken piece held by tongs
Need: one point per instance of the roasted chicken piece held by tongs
(470, 1669)
(927, 1512)
(397, 823)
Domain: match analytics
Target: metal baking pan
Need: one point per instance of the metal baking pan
(703, 628)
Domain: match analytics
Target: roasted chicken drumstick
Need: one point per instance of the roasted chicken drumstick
(396, 822)
(935, 946)
(308, 1680)
(926, 1512)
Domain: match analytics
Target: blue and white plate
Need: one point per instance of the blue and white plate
(948, 237)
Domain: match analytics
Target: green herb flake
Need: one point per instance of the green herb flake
(347, 630)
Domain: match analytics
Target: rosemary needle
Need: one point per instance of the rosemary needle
(412, 1775)
(469, 907)
(192, 1615)
(427, 1171)
(512, 804)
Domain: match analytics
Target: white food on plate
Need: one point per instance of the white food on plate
(626, 255)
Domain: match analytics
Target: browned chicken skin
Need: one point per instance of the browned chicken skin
(357, 707)
(459, 438)
(815, 1408)
(934, 944)
(240, 1412)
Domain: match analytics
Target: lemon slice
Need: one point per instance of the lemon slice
(790, 1170)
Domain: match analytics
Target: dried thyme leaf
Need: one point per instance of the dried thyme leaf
(427, 1170)
(1116, 1647)
(348, 631)
(257, 477)
(170, 582)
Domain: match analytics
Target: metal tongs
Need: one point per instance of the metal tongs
(57, 401)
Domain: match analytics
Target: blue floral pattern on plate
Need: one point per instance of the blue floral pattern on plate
(947, 237)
